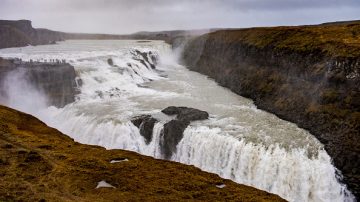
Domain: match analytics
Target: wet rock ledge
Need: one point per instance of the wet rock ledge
(173, 131)
(38, 163)
(56, 80)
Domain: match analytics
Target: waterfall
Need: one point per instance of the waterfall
(288, 173)
(238, 142)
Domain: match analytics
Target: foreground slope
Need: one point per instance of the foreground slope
(38, 163)
(309, 75)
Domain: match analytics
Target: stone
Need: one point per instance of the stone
(186, 113)
(145, 123)
(172, 134)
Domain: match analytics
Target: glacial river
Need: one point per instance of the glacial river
(238, 141)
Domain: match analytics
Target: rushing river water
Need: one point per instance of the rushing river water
(238, 142)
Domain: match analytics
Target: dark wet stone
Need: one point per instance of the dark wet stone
(146, 125)
(173, 131)
(186, 113)
(110, 62)
(172, 134)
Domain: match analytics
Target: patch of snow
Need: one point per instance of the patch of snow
(118, 161)
(220, 186)
(104, 184)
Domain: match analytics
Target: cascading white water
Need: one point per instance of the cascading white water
(238, 142)
(288, 173)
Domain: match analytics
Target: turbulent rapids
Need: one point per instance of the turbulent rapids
(124, 79)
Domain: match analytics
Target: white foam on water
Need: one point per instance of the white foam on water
(288, 173)
(238, 142)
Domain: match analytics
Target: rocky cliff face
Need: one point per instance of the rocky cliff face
(56, 80)
(21, 33)
(308, 75)
(38, 163)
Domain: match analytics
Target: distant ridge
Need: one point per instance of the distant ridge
(18, 33)
(341, 22)
(21, 33)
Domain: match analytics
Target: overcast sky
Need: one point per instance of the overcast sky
(128, 16)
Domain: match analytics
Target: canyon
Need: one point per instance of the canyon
(309, 75)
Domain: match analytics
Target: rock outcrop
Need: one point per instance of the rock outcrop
(173, 131)
(308, 75)
(145, 123)
(56, 80)
(186, 114)
(21, 33)
(38, 163)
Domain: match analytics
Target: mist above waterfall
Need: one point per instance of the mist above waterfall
(19, 93)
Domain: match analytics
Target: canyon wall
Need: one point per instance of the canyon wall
(21, 33)
(309, 75)
(56, 80)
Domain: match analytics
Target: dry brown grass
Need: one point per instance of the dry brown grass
(333, 40)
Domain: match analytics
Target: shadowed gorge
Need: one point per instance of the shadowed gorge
(309, 75)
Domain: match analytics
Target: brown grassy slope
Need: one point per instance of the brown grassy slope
(39, 163)
(332, 40)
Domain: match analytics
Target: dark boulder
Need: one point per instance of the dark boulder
(110, 62)
(172, 134)
(186, 113)
(145, 123)
(173, 131)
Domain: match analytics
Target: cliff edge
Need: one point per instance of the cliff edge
(309, 75)
(21, 33)
(55, 80)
